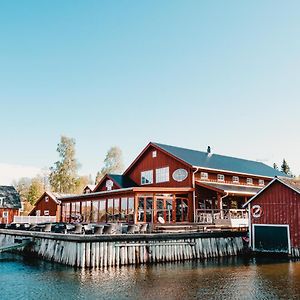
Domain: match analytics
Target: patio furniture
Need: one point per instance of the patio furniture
(78, 229)
(109, 229)
(88, 229)
(143, 228)
(98, 229)
(47, 228)
(131, 229)
(69, 228)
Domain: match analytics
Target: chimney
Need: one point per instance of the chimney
(208, 150)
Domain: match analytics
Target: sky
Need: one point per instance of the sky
(186, 73)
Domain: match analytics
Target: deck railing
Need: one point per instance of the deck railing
(213, 216)
(34, 219)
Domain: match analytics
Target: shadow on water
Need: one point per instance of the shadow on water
(227, 278)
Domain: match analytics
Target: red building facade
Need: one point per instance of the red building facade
(275, 212)
(171, 183)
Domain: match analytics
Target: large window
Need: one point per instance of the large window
(130, 209)
(162, 175)
(102, 211)
(147, 177)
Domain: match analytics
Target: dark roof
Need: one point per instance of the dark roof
(232, 189)
(9, 197)
(122, 180)
(221, 162)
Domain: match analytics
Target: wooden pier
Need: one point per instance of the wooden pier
(98, 251)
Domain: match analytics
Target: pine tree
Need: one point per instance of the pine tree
(35, 191)
(63, 176)
(113, 163)
(275, 166)
(285, 167)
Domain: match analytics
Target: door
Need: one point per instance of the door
(271, 238)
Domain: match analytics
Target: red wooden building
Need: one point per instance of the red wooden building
(275, 217)
(10, 204)
(177, 184)
(48, 205)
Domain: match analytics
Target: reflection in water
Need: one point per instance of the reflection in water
(234, 278)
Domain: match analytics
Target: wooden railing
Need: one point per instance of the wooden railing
(213, 216)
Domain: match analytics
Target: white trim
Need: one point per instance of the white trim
(271, 182)
(249, 226)
(272, 225)
(230, 184)
(234, 172)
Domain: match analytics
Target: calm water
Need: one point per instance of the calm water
(22, 278)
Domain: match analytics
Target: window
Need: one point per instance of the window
(261, 182)
(38, 213)
(147, 177)
(46, 199)
(249, 181)
(204, 175)
(154, 154)
(235, 179)
(221, 177)
(87, 191)
(5, 214)
(46, 212)
(162, 175)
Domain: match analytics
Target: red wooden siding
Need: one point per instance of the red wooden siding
(11, 213)
(280, 205)
(213, 176)
(147, 162)
(102, 185)
(42, 205)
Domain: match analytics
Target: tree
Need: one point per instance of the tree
(113, 163)
(285, 167)
(82, 182)
(275, 166)
(63, 176)
(36, 189)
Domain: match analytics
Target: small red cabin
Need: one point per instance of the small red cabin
(10, 204)
(275, 218)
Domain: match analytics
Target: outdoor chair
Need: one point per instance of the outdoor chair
(98, 229)
(144, 228)
(131, 229)
(109, 229)
(69, 228)
(47, 228)
(78, 229)
(88, 229)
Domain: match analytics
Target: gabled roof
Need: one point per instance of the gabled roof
(218, 162)
(90, 186)
(123, 181)
(290, 183)
(9, 197)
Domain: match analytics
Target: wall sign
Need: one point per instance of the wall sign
(180, 175)
(256, 211)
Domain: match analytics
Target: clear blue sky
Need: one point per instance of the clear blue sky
(188, 73)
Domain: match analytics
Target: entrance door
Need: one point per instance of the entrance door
(164, 209)
(271, 238)
(182, 210)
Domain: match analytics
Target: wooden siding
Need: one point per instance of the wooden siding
(280, 205)
(11, 213)
(102, 185)
(146, 162)
(213, 177)
(42, 205)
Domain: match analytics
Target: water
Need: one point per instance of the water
(234, 278)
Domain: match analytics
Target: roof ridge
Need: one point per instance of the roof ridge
(216, 154)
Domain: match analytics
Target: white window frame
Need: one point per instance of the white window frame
(38, 212)
(5, 214)
(148, 175)
(46, 212)
(249, 181)
(47, 199)
(204, 175)
(261, 182)
(154, 153)
(159, 175)
(235, 179)
(221, 177)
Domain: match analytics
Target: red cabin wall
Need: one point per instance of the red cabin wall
(102, 187)
(42, 205)
(11, 213)
(147, 162)
(280, 205)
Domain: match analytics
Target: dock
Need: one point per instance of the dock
(98, 251)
